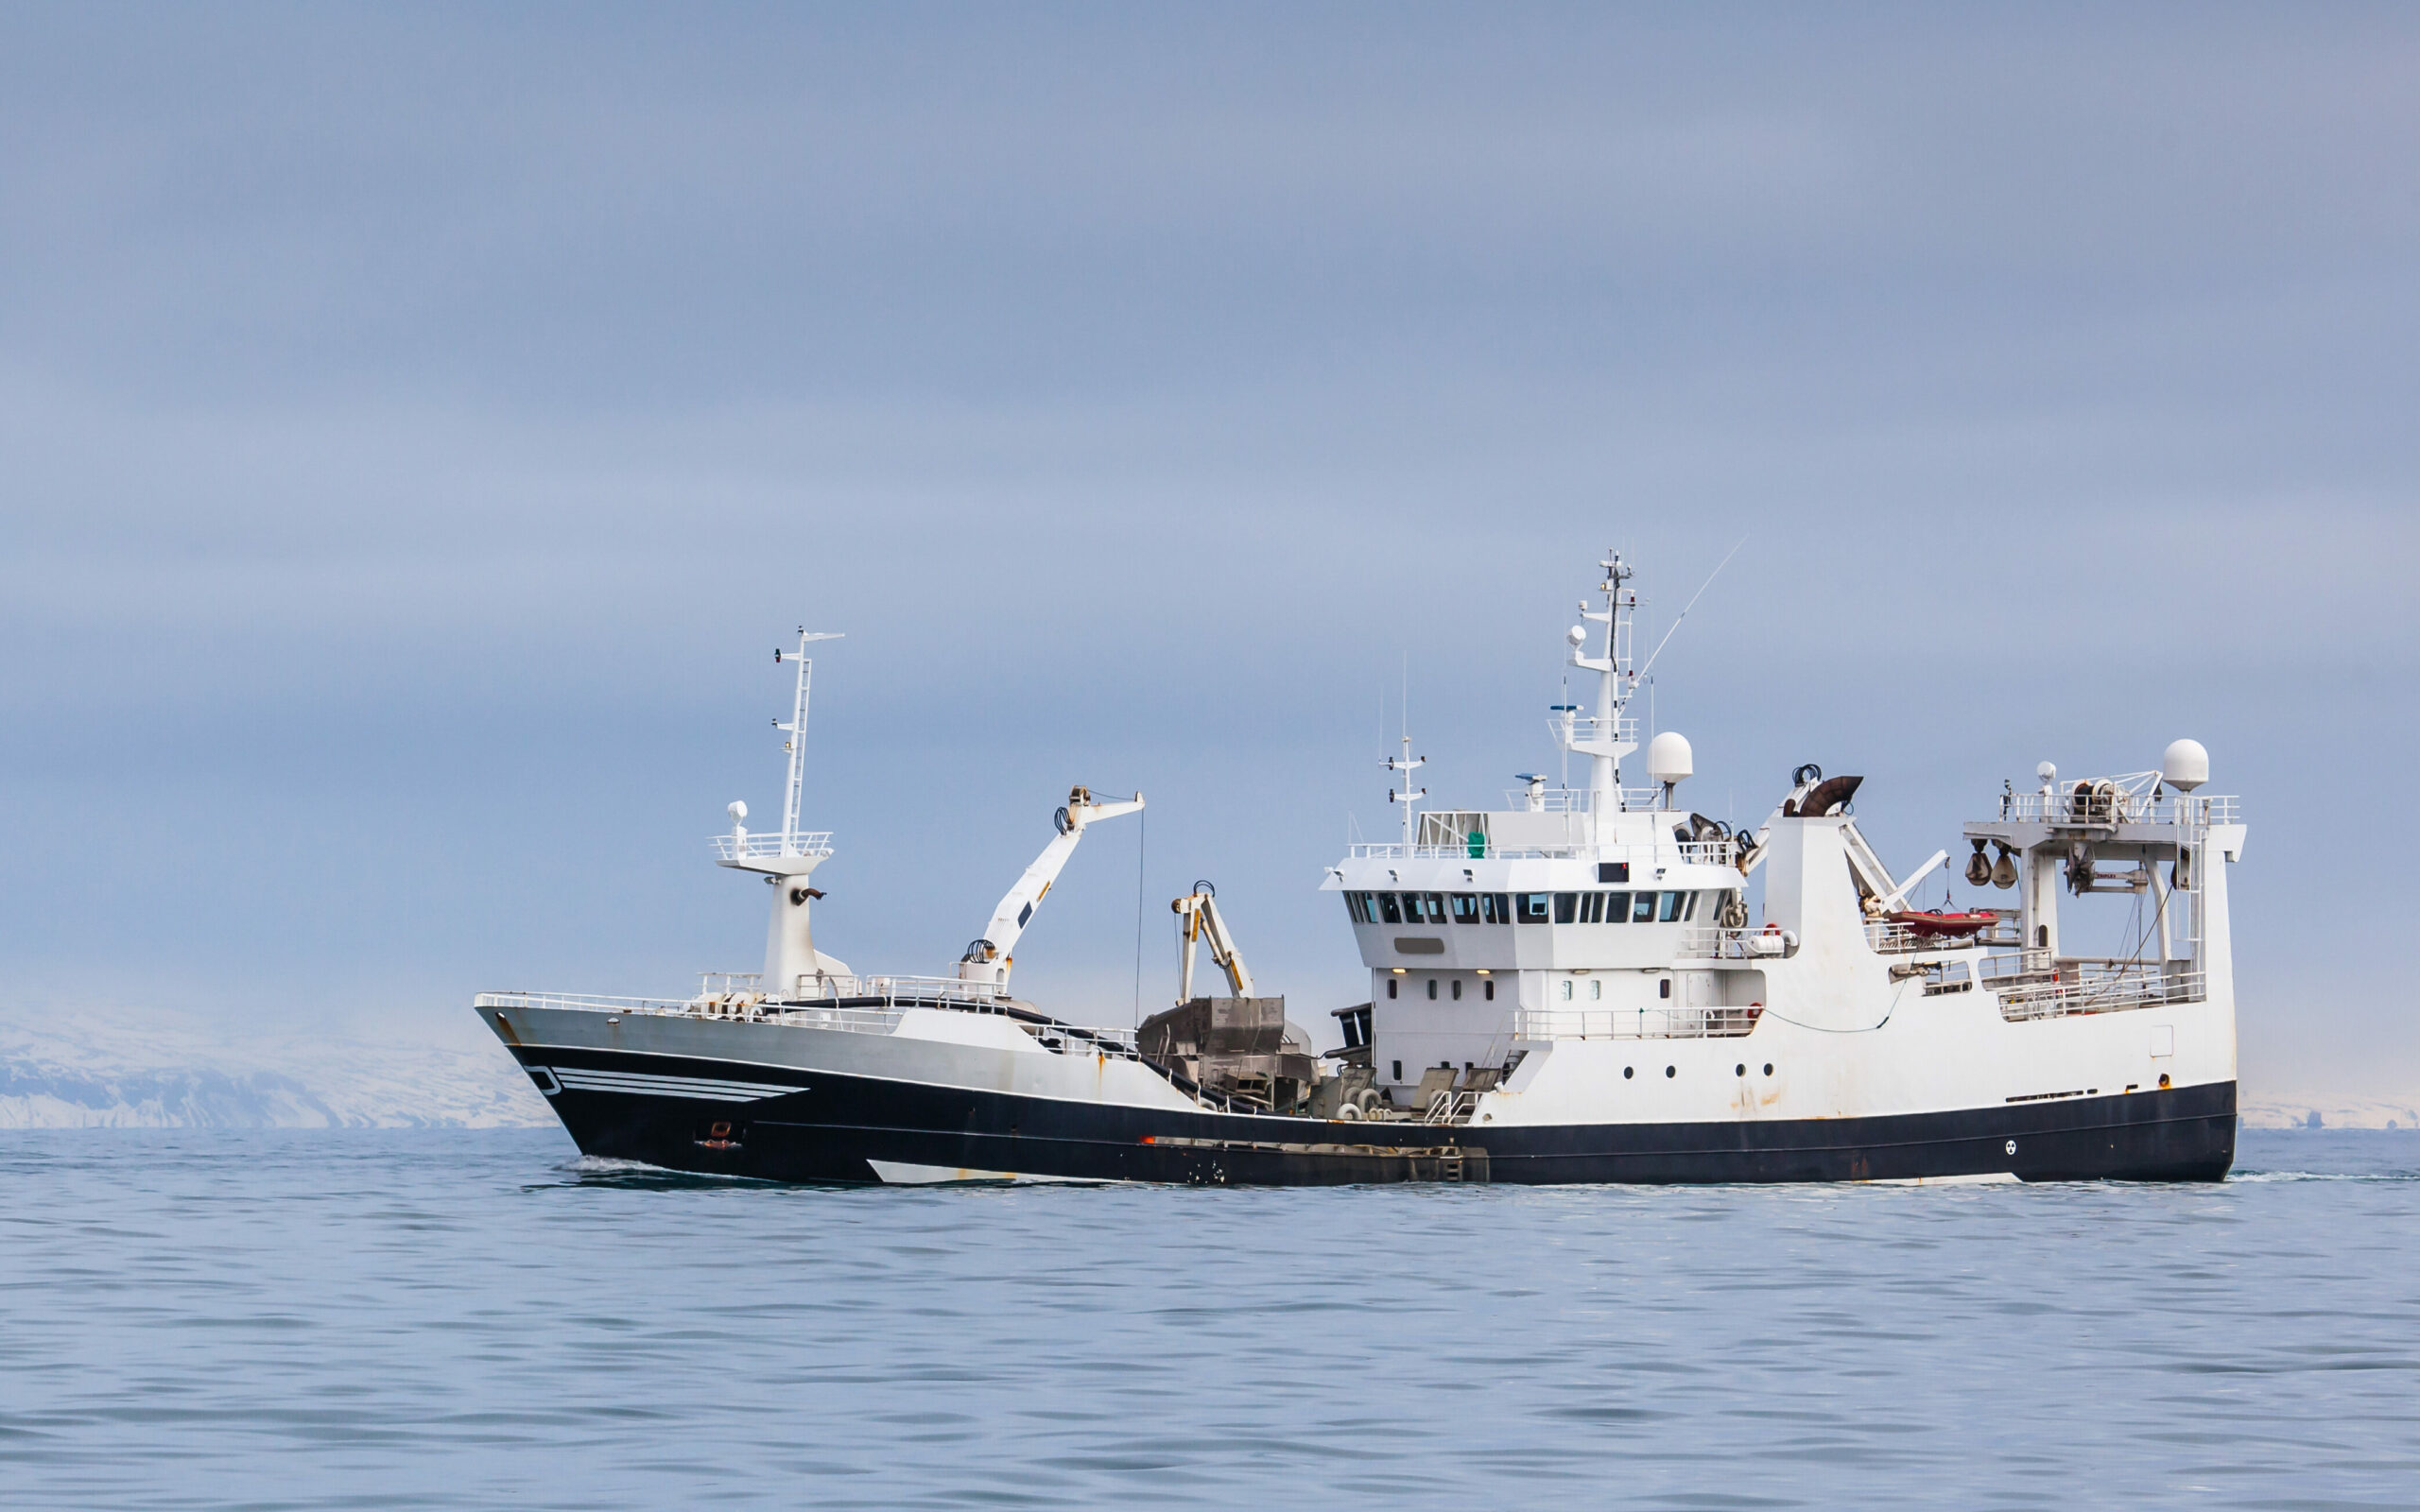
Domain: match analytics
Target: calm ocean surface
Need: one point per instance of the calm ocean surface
(442, 1319)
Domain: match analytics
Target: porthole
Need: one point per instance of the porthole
(1742, 1069)
(1432, 990)
(1458, 990)
(1769, 1068)
(1626, 1073)
(1670, 1072)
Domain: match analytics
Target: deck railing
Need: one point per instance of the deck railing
(1700, 942)
(1591, 730)
(2089, 987)
(1692, 852)
(874, 1005)
(745, 846)
(2123, 804)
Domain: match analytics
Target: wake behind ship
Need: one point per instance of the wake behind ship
(1585, 985)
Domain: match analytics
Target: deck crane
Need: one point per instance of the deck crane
(987, 958)
(1199, 914)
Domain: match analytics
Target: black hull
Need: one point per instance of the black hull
(834, 1127)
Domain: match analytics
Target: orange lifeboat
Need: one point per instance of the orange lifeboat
(1940, 923)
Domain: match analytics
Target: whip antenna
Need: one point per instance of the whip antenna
(1692, 604)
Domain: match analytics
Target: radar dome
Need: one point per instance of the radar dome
(2186, 765)
(738, 811)
(2046, 772)
(1577, 635)
(1669, 756)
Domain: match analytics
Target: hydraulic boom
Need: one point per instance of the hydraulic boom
(1199, 911)
(989, 960)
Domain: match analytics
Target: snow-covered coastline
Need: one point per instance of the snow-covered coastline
(2329, 1110)
(149, 1069)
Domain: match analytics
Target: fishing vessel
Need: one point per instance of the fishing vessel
(1584, 984)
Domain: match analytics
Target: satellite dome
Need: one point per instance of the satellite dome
(1577, 635)
(2186, 765)
(1669, 756)
(2046, 772)
(738, 811)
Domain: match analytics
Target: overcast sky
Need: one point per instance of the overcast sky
(418, 424)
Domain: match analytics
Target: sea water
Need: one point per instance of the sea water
(454, 1319)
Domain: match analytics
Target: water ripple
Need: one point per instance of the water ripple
(408, 1319)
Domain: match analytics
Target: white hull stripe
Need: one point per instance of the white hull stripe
(639, 1082)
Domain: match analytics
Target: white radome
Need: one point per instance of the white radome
(2185, 765)
(738, 809)
(1669, 756)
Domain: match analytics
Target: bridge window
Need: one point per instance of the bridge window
(1691, 911)
(1432, 903)
(1387, 909)
(1533, 907)
(1495, 907)
(1567, 907)
(1672, 902)
(1642, 908)
(1465, 908)
(1617, 908)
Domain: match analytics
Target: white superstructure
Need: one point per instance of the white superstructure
(1599, 943)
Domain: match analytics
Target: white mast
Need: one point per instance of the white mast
(785, 859)
(1607, 738)
(796, 729)
(1407, 764)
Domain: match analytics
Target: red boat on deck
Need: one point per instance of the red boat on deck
(1952, 926)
